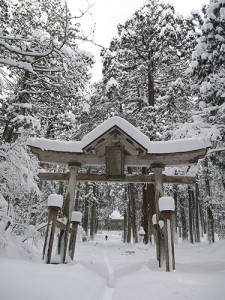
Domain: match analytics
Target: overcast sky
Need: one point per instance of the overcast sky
(106, 14)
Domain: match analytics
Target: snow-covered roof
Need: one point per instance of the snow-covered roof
(173, 146)
(129, 129)
(115, 215)
(182, 145)
(56, 145)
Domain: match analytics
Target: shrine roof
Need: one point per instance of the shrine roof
(160, 147)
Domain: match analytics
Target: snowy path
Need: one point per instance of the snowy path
(111, 276)
(111, 279)
(115, 271)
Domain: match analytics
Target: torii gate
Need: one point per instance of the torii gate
(116, 144)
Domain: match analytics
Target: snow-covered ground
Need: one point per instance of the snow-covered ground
(105, 270)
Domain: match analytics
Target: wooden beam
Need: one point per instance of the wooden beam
(179, 179)
(126, 179)
(167, 159)
(54, 176)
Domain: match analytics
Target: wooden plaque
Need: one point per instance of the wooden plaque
(114, 162)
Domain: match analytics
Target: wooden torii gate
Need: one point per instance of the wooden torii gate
(116, 145)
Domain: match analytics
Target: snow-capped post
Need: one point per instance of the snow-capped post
(55, 203)
(167, 207)
(158, 176)
(69, 203)
(75, 220)
(141, 234)
(160, 242)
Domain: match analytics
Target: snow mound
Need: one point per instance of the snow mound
(12, 247)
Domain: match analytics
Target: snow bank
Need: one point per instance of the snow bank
(12, 247)
(133, 270)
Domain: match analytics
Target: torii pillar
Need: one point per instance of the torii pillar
(159, 192)
(69, 204)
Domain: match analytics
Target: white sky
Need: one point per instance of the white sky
(106, 14)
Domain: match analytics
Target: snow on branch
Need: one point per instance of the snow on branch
(19, 64)
(25, 53)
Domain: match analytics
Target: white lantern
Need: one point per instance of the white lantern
(76, 216)
(55, 200)
(166, 204)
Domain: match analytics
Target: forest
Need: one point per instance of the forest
(163, 72)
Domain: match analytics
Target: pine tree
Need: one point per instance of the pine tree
(47, 70)
(147, 64)
(207, 71)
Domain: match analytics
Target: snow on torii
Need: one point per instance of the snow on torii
(118, 131)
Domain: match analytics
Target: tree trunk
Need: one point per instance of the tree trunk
(183, 222)
(197, 225)
(92, 225)
(125, 227)
(176, 207)
(151, 93)
(145, 210)
(86, 209)
(152, 210)
(132, 202)
(190, 210)
(129, 222)
(210, 219)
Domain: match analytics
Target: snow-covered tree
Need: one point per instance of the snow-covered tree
(18, 183)
(45, 71)
(207, 70)
(146, 63)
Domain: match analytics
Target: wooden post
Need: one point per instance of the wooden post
(167, 207)
(50, 231)
(75, 220)
(169, 240)
(73, 238)
(158, 169)
(159, 239)
(55, 202)
(69, 204)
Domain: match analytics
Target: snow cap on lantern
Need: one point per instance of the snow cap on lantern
(55, 200)
(161, 223)
(76, 216)
(166, 204)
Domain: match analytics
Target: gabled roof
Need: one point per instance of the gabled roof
(162, 147)
(119, 122)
